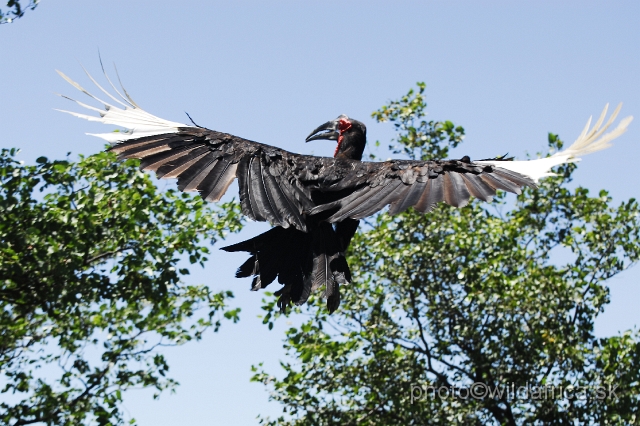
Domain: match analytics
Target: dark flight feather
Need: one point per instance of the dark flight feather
(266, 199)
(212, 190)
(377, 201)
(153, 162)
(477, 187)
(258, 198)
(455, 190)
(244, 178)
(365, 204)
(177, 166)
(410, 199)
(433, 194)
(514, 177)
(499, 182)
(189, 179)
(289, 212)
(152, 147)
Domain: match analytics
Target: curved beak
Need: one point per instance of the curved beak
(329, 131)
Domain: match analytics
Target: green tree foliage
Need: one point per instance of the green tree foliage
(90, 285)
(487, 297)
(15, 10)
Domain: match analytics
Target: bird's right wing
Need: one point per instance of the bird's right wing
(275, 185)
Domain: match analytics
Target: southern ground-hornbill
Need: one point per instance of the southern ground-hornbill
(314, 203)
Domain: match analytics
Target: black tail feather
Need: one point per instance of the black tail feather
(302, 261)
(248, 268)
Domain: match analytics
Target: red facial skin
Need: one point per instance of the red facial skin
(343, 126)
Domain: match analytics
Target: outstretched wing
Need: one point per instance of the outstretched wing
(283, 188)
(423, 184)
(208, 161)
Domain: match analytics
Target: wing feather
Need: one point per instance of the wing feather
(253, 189)
(153, 162)
(432, 195)
(376, 202)
(346, 203)
(142, 142)
(289, 212)
(301, 198)
(498, 182)
(150, 147)
(477, 187)
(259, 193)
(244, 177)
(455, 191)
(214, 185)
(192, 177)
(179, 165)
(410, 199)
(514, 177)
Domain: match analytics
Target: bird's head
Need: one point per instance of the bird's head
(351, 136)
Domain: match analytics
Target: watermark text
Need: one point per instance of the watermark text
(512, 392)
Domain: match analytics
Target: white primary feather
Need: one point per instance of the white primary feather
(137, 122)
(590, 140)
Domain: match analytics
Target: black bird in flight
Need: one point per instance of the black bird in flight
(314, 203)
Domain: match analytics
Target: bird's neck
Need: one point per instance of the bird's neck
(351, 147)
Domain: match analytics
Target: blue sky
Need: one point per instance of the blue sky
(509, 72)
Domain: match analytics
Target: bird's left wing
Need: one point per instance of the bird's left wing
(419, 184)
(422, 184)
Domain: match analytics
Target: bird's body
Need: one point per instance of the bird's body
(314, 203)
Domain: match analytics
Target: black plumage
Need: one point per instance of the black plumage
(314, 203)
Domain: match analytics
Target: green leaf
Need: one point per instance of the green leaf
(57, 292)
